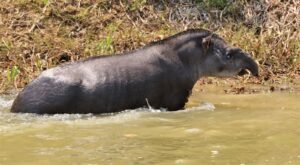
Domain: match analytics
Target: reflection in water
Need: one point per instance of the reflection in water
(215, 129)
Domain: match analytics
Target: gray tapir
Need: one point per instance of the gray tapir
(161, 74)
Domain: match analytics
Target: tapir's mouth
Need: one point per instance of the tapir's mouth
(249, 66)
(243, 72)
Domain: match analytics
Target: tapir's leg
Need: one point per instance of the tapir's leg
(177, 100)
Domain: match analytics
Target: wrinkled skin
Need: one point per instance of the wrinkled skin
(161, 74)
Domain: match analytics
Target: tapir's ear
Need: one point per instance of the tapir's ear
(206, 42)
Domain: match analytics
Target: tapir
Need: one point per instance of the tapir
(161, 74)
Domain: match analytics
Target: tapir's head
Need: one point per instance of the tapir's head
(223, 61)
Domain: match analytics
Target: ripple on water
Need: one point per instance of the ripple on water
(206, 106)
(193, 130)
(5, 103)
(180, 161)
(14, 123)
(17, 122)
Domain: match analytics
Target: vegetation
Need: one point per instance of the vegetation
(39, 34)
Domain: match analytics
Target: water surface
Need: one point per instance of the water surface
(216, 128)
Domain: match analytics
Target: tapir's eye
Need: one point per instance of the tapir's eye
(228, 56)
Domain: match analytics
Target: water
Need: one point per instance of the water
(216, 128)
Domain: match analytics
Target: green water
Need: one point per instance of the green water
(248, 129)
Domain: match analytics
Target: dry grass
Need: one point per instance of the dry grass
(40, 34)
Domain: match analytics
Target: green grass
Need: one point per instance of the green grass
(46, 2)
(5, 45)
(219, 4)
(136, 5)
(105, 46)
(12, 73)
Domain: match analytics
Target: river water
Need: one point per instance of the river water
(216, 128)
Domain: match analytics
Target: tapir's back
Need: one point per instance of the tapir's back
(98, 85)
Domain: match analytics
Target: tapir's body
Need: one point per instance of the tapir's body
(160, 75)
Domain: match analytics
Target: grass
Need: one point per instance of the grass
(12, 73)
(136, 5)
(220, 4)
(5, 46)
(106, 45)
(11, 76)
(41, 34)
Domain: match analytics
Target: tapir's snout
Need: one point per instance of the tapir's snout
(249, 64)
